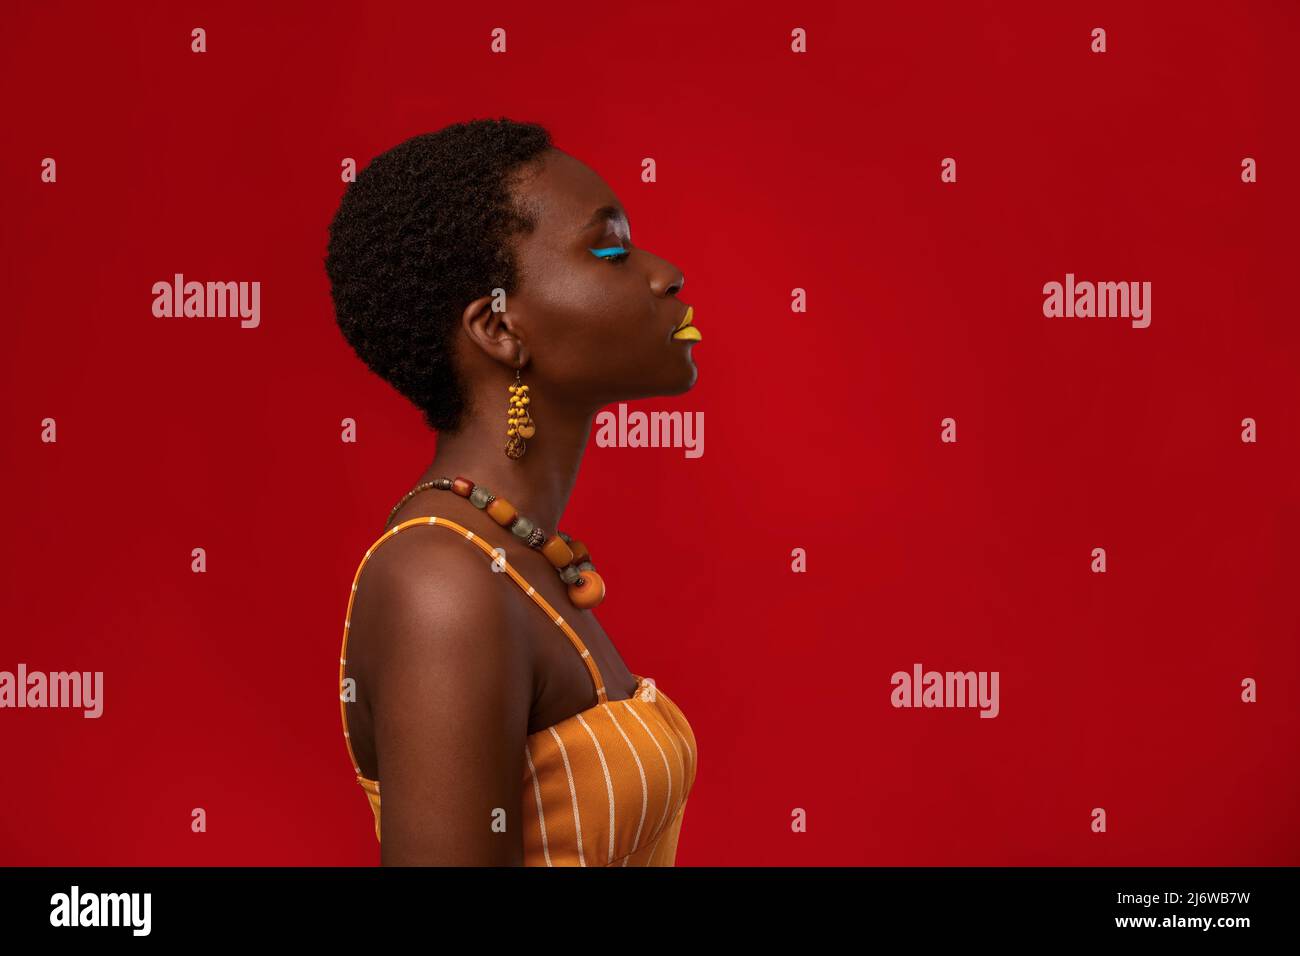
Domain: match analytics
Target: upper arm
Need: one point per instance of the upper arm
(451, 690)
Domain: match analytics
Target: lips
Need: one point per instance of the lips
(685, 331)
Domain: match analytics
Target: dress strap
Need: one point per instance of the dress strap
(497, 559)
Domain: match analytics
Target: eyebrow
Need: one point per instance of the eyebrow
(601, 214)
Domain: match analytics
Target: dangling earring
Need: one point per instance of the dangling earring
(519, 420)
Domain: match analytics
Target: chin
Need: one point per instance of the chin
(674, 378)
(687, 380)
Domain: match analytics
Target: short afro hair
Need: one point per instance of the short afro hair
(420, 233)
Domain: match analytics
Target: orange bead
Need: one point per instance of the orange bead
(502, 512)
(462, 486)
(557, 552)
(580, 552)
(589, 593)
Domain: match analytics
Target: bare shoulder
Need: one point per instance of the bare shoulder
(449, 680)
(427, 593)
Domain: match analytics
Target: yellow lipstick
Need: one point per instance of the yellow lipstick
(686, 332)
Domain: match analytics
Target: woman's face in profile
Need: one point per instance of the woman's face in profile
(599, 329)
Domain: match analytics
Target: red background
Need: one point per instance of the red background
(818, 171)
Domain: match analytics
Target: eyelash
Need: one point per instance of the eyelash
(619, 257)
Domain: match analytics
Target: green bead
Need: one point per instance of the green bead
(522, 527)
(479, 496)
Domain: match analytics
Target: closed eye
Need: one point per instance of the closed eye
(617, 253)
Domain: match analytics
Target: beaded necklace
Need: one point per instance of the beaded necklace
(570, 558)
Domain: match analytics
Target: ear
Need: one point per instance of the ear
(495, 330)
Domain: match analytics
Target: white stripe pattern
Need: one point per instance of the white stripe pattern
(667, 769)
(537, 795)
(573, 797)
(609, 785)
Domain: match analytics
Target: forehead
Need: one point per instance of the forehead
(563, 193)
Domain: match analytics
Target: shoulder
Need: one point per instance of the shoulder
(450, 685)
(429, 597)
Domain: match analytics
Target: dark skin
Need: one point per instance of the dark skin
(455, 665)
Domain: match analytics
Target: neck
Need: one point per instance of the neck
(539, 483)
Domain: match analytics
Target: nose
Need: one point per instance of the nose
(667, 280)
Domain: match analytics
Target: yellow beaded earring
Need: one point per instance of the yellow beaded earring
(519, 422)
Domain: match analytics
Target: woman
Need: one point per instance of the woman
(491, 279)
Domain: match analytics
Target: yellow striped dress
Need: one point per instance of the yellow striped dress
(605, 787)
